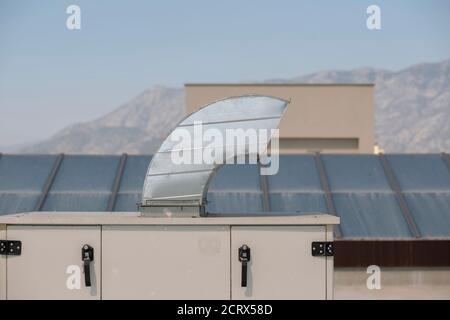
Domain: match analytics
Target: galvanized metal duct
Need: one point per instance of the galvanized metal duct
(173, 188)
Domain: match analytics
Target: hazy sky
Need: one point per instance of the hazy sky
(51, 76)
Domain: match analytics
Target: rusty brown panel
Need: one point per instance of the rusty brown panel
(392, 253)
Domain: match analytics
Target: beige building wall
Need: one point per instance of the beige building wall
(333, 118)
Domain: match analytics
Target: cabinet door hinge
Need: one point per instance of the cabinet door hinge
(10, 247)
(324, 249)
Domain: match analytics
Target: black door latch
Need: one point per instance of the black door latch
(87, 255)
(244, 258)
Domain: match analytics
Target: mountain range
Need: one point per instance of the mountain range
(412, 114)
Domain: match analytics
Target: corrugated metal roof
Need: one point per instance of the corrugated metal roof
(83, 183)
(360, 190)
(363, 197)
(130, 190)
(421, 172)
(22, 173)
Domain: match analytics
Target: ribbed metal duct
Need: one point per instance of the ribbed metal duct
(173, 187)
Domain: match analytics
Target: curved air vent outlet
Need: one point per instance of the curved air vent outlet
(172, 189)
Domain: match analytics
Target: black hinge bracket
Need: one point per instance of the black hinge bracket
(322, 249)
(10, 247)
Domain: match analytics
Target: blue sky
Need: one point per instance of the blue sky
(51, 77)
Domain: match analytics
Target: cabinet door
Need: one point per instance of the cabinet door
(281, 265)
(166, 262)
(2, 265)
(50, 265)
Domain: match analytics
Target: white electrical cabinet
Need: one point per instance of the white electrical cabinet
(126, 256)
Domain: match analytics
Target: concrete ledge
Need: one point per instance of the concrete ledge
(396, 283)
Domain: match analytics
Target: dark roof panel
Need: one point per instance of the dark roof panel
(239, 177)
(234, 202)
(294, 202)
(295, 173)
(17, 202)
(127, 202)
(86, 174)
(349, 173)
(431, 212)
(370, 215)
(134, 174)
(76, 201)
(20, 173)
(420, 172)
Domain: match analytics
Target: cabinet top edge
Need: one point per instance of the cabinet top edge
(134, 218)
